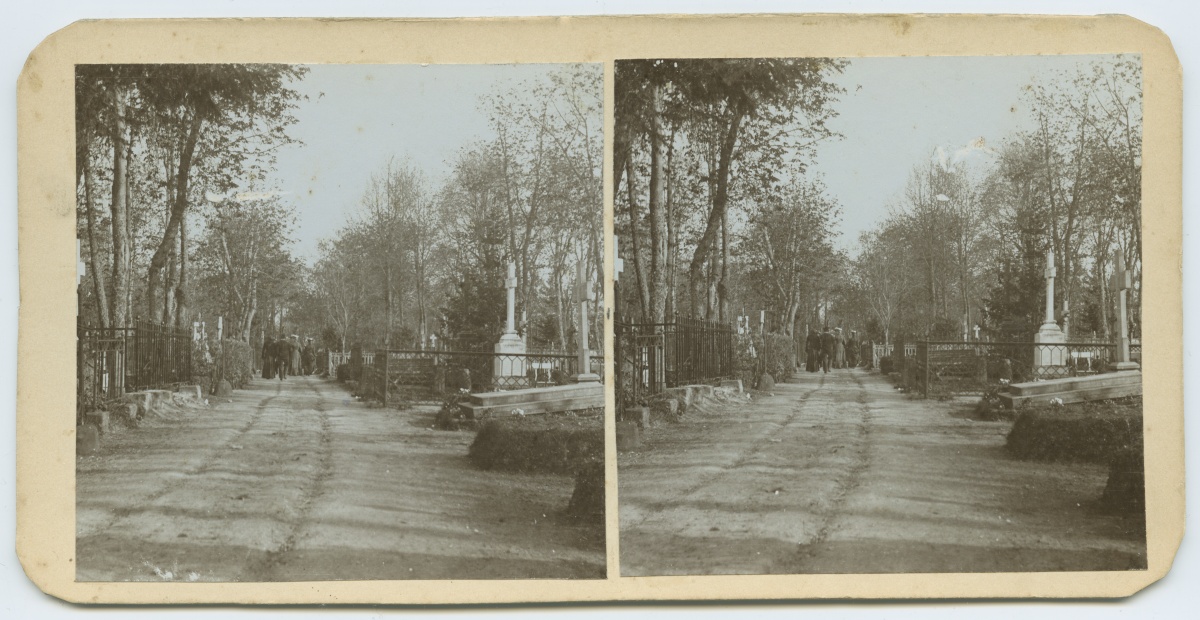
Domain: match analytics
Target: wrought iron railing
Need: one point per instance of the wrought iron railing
(440, 371)
(947, 367)
(655, 356)
(111, 361)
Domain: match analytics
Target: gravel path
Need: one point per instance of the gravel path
(295, 480)
(840, 473)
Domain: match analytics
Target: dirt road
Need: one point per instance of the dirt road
(840, 473)
(295, 480)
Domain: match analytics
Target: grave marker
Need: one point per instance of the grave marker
(1052, 358)
(1122, 281)
(510, 344)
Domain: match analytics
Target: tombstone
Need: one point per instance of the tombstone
(505, 369)
(583, 295)
(1050, 360)
(1122, 281)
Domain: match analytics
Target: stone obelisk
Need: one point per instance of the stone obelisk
(508, 369)
(1122, 281)
(1050, 361)
(583, 294)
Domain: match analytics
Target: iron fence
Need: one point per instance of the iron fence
(441, 371)
(946, 367)
(113, 360)
(655, 356)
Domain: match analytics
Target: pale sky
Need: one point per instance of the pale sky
(894, 113)
(371, 112)
(906, 108)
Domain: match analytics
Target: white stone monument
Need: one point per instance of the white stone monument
(1122, 281)
(1050, 360)
(510, 371)
(583, 294)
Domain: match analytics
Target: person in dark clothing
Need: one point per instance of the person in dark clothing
(268, 358)
(283, 357)
(852, 350)
(812, 351)
(828, 349)
(308, 357)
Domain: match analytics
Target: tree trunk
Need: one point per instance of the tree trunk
(93, 251)
(119, 207)
(181, 299)
(716, 215)
(658, 218)
(179, 203)
(638, 269)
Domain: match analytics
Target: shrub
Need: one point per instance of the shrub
(749, 348)
(778, 355)
(1091, 432)
(770, 353)
(887, 365)
(549, 443)
(450, 417)
(237, 362)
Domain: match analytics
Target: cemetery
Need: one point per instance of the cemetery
(309, 351)
(869, 328)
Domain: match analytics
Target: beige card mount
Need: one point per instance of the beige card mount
(223, 137)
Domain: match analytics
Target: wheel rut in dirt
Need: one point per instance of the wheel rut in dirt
(263, 569)
(779, 494)
(213, 456)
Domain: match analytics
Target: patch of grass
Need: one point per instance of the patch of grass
(560, 443)
(1092, 432)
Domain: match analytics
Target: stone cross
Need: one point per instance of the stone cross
(1122, 281)
(976, 332)
(1050, 273)
(583, 294)
(511, 284)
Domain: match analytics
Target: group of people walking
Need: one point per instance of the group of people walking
(831, 349)
(287, 356)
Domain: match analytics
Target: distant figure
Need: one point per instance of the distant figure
(852, 349)
(283, 358)
(295, 360)
(828, 349)
(268, 358)
(308, 357)
(812, 351)
(839, 354)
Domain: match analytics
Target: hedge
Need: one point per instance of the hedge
(548, 443)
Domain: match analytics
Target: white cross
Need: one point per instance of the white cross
(1050, 270)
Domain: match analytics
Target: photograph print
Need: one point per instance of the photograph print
(339, 322)
(879, 315)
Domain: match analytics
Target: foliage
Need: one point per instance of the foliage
(236, 362)
(550, 443)
(966, 242)
(778, 355)
(1092, 432)
(424, 264)
(746, 361)
(697, 142)
(450, 417)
